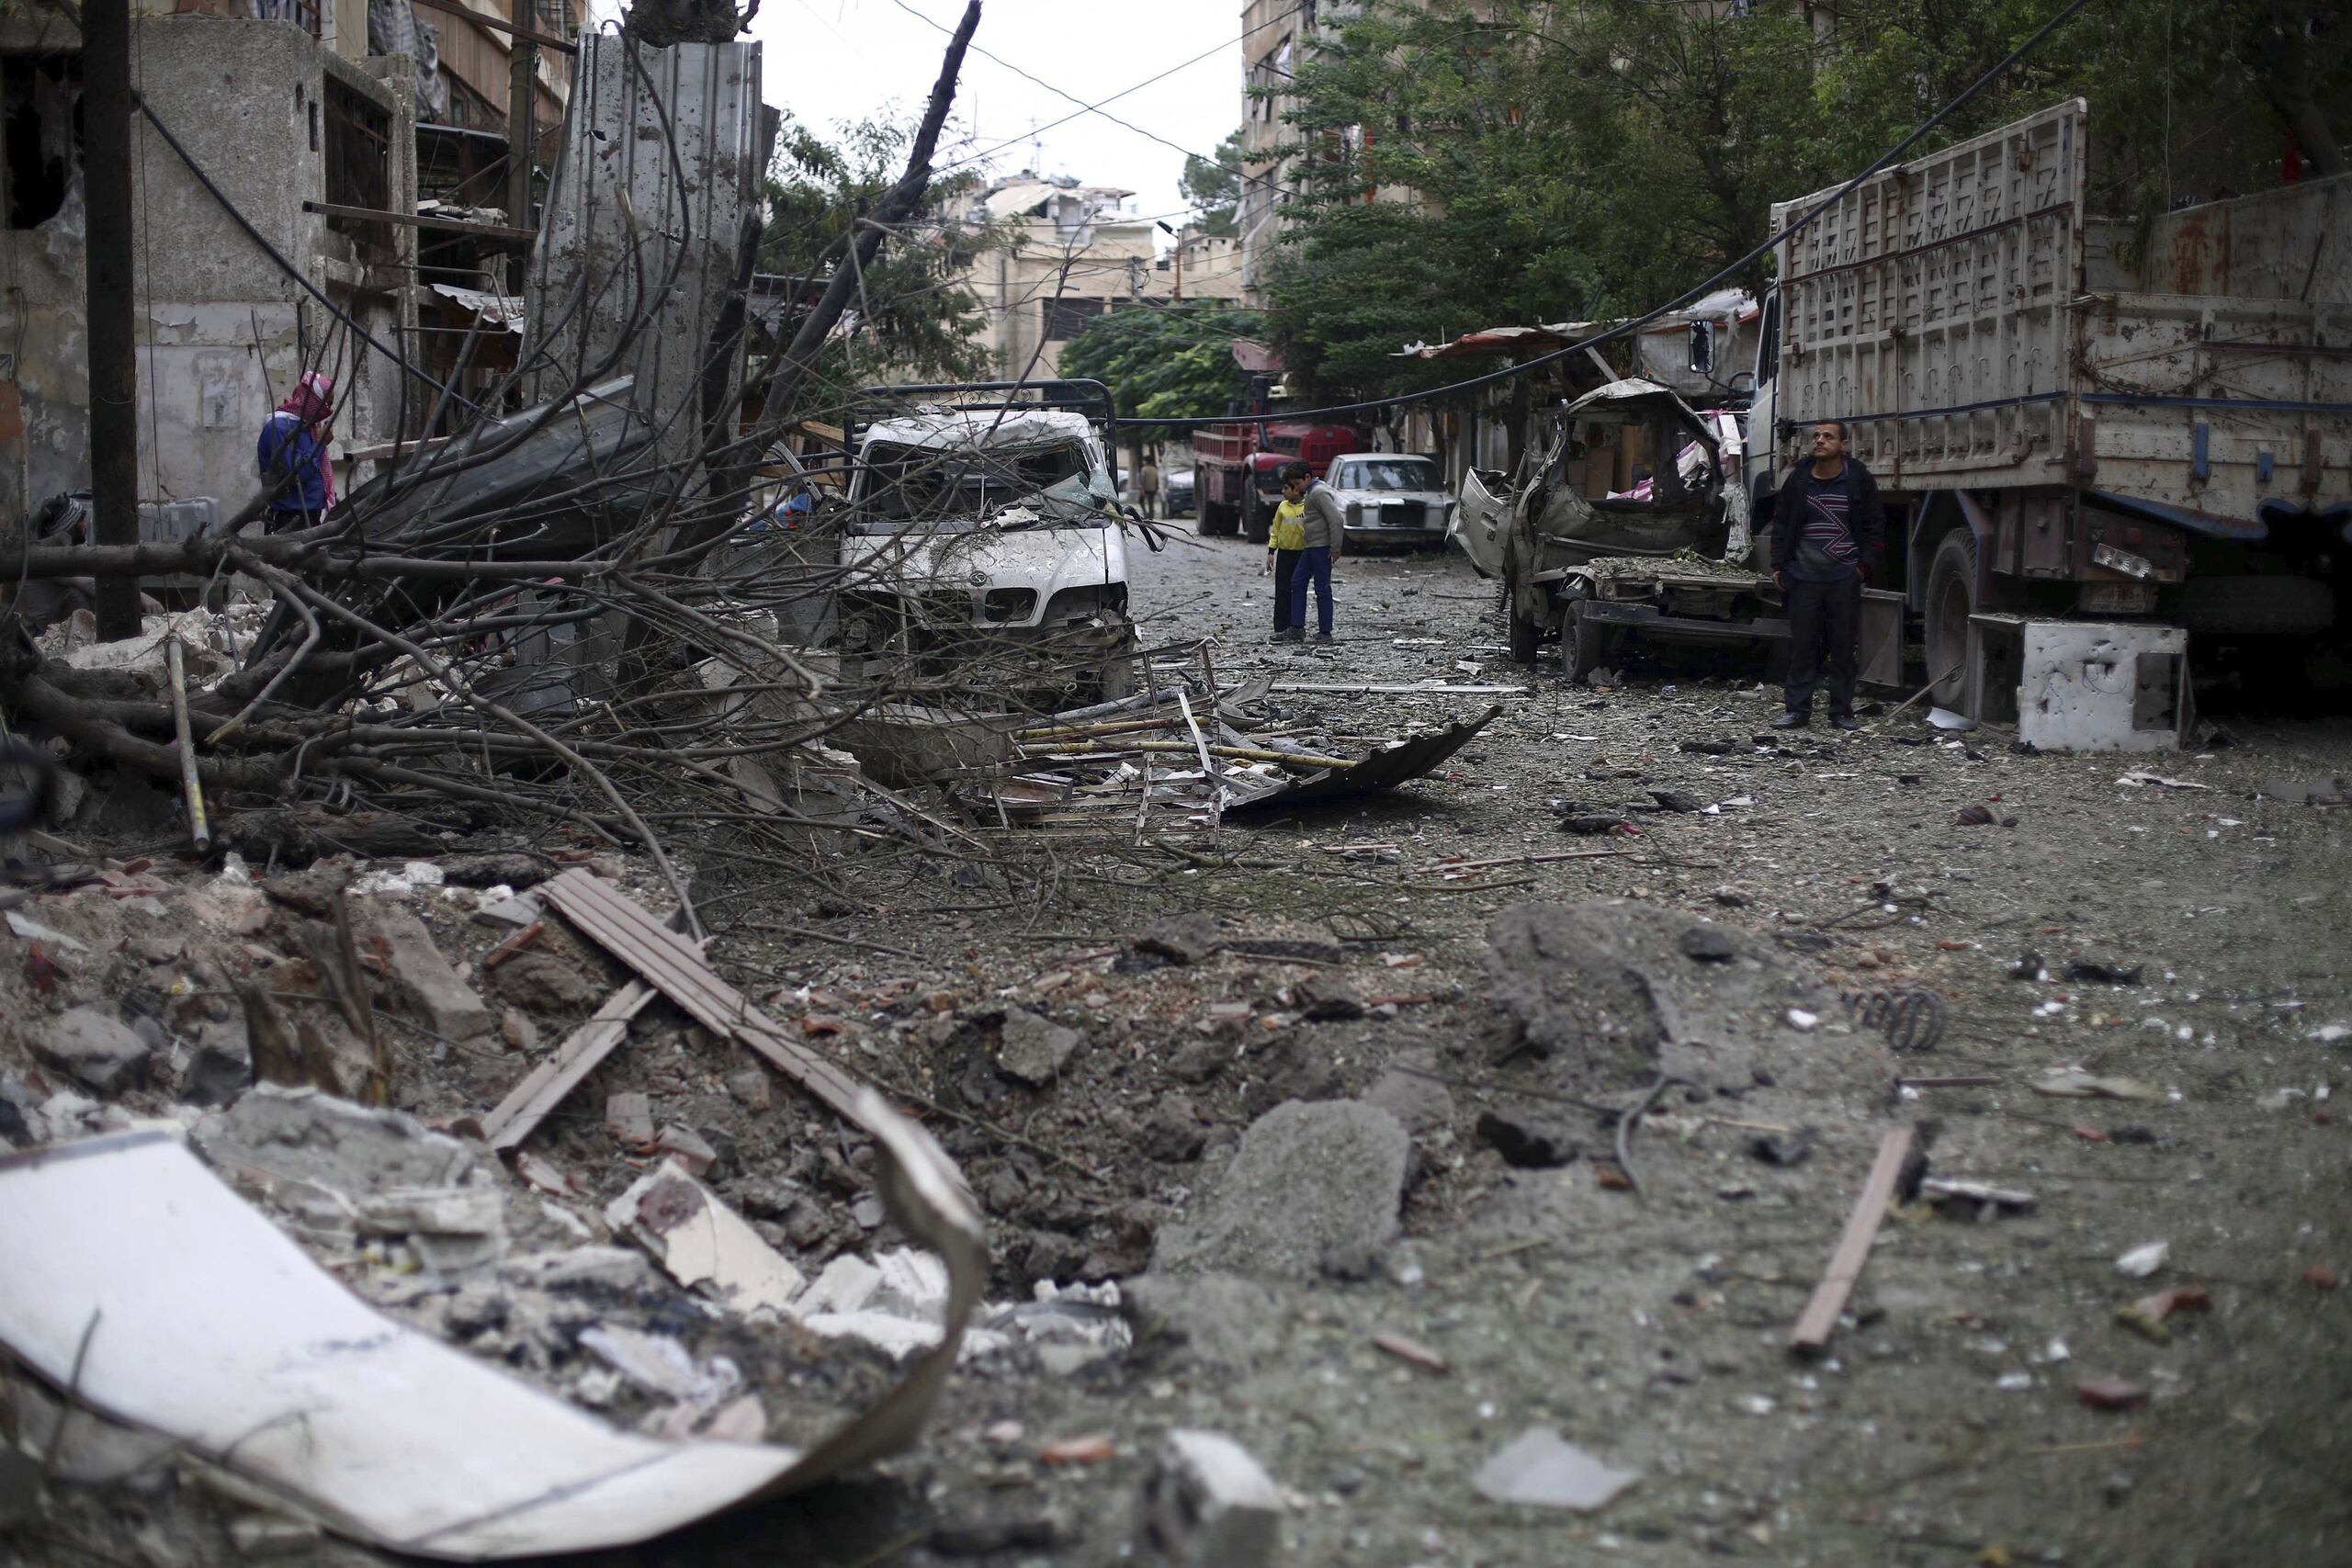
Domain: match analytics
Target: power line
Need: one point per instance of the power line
(1627, 328)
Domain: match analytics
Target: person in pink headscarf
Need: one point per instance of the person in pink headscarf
(292, 455)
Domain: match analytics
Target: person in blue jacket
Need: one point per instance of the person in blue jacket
(291, 455)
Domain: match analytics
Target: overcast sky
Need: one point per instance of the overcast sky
(830, 60)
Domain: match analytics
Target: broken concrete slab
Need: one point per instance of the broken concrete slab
(1311, 1183)
(1035, 1049)
(1327, 998)
(1209, 1504)
(1544, 1469)
(1174, 1134)
(300, 1134)
(750, 1089)
(1180, 939)
(630, 1117)
(96, 1048)
(701, 1241)
(430, 987)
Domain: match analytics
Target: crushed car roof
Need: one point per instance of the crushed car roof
(975, 428)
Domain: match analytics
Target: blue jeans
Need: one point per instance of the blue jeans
(1315, 567)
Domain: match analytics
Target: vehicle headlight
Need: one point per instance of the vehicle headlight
(1008, 604)
(1355, 512)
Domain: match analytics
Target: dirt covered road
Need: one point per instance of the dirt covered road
(1409, 1128)
(1649, 1327)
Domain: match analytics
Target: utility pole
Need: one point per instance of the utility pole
(107, 276)
(521, 103)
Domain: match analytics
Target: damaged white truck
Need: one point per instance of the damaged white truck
(983, 548)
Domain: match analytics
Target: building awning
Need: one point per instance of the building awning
(504, 310)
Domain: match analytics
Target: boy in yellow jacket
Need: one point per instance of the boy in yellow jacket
(1285, 542)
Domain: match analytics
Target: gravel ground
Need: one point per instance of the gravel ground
(1638, 1301)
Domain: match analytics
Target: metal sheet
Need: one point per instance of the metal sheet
(1384, 770)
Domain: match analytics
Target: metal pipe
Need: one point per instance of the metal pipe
(191, 788)
(106, 268)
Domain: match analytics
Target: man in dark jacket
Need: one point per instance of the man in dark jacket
(1827, 530)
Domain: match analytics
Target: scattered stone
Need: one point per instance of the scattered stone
(1035, 1049)
(1180, 939)
(1210, 1505)
(1421, 1104)
(1175, 1134)
(1783, 1149)
(2089, 972)
(1197, 1061)
(2144, 1261)
(443, 1003)
(512, 870)
(546, 983)
(1327, 998)
(1708, 944)
(219, 1068)
(1590, 824)
(1308, 1181)
(96, 1048)
(689, 1149)
(1675, 800)
(630, 1117)
(1526, 1139)
(750, 1089)
(1544, 1469)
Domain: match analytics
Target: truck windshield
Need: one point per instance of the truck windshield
(951, 489)
(1394, 473)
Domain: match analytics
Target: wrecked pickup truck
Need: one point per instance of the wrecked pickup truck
(983, 546)
(1630, 471)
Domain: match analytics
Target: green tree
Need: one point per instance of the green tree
(914, 319)
(1589, 161)
(1214, 186)
(1163, 361)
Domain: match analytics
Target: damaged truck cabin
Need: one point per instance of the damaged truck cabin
(983, 550)
(1628, 470)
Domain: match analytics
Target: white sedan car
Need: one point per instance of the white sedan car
(1390, 499)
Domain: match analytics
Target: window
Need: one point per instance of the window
(358, 164)
(1065, 318)
(42, 130)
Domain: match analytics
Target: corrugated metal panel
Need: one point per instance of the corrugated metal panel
(1931, 306)
(686, 213)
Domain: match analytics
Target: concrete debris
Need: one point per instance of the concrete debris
(1180, 939)
(1035, 1049)
(1217, 1321)
(2144, 1261)
(1327, 998)
(1407, 1092)
(97, 1048)
(1209, 1504)
(302, 1135)
(630, 1117)
(701, 1241)
(1544, 1469)
(659, 1364)
(749, 1087)
(686, 1148)
(441, 1001)
(1311, 1185)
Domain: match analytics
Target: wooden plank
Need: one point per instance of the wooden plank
(1819, 1319)
(672, 965)
(498, 24)
(544, 1087)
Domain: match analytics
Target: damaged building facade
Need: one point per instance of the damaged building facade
(306, 123)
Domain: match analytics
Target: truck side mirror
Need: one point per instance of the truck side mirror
(1702, 347)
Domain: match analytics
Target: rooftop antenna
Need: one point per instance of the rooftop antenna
(1036, 150)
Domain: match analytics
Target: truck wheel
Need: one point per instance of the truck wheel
(1951, 599)
(1584, 645)
(1262, 521)
(1216, 519)
(1524, 633)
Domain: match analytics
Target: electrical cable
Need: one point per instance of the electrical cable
(1628, 328)
(287, 267)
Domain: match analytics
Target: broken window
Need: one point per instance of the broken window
(914, 484)
(1068, 317)
(40, 126)
(358, 164)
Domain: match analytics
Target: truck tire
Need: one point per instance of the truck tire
(1262, 521)
(1584, 646)
(1523, 633)
(1215, 521)
(1951, 599)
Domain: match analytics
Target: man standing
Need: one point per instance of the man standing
(1827, 527)
(1320, 525)
(1147, 486)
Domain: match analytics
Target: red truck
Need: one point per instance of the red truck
(1234, 464)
